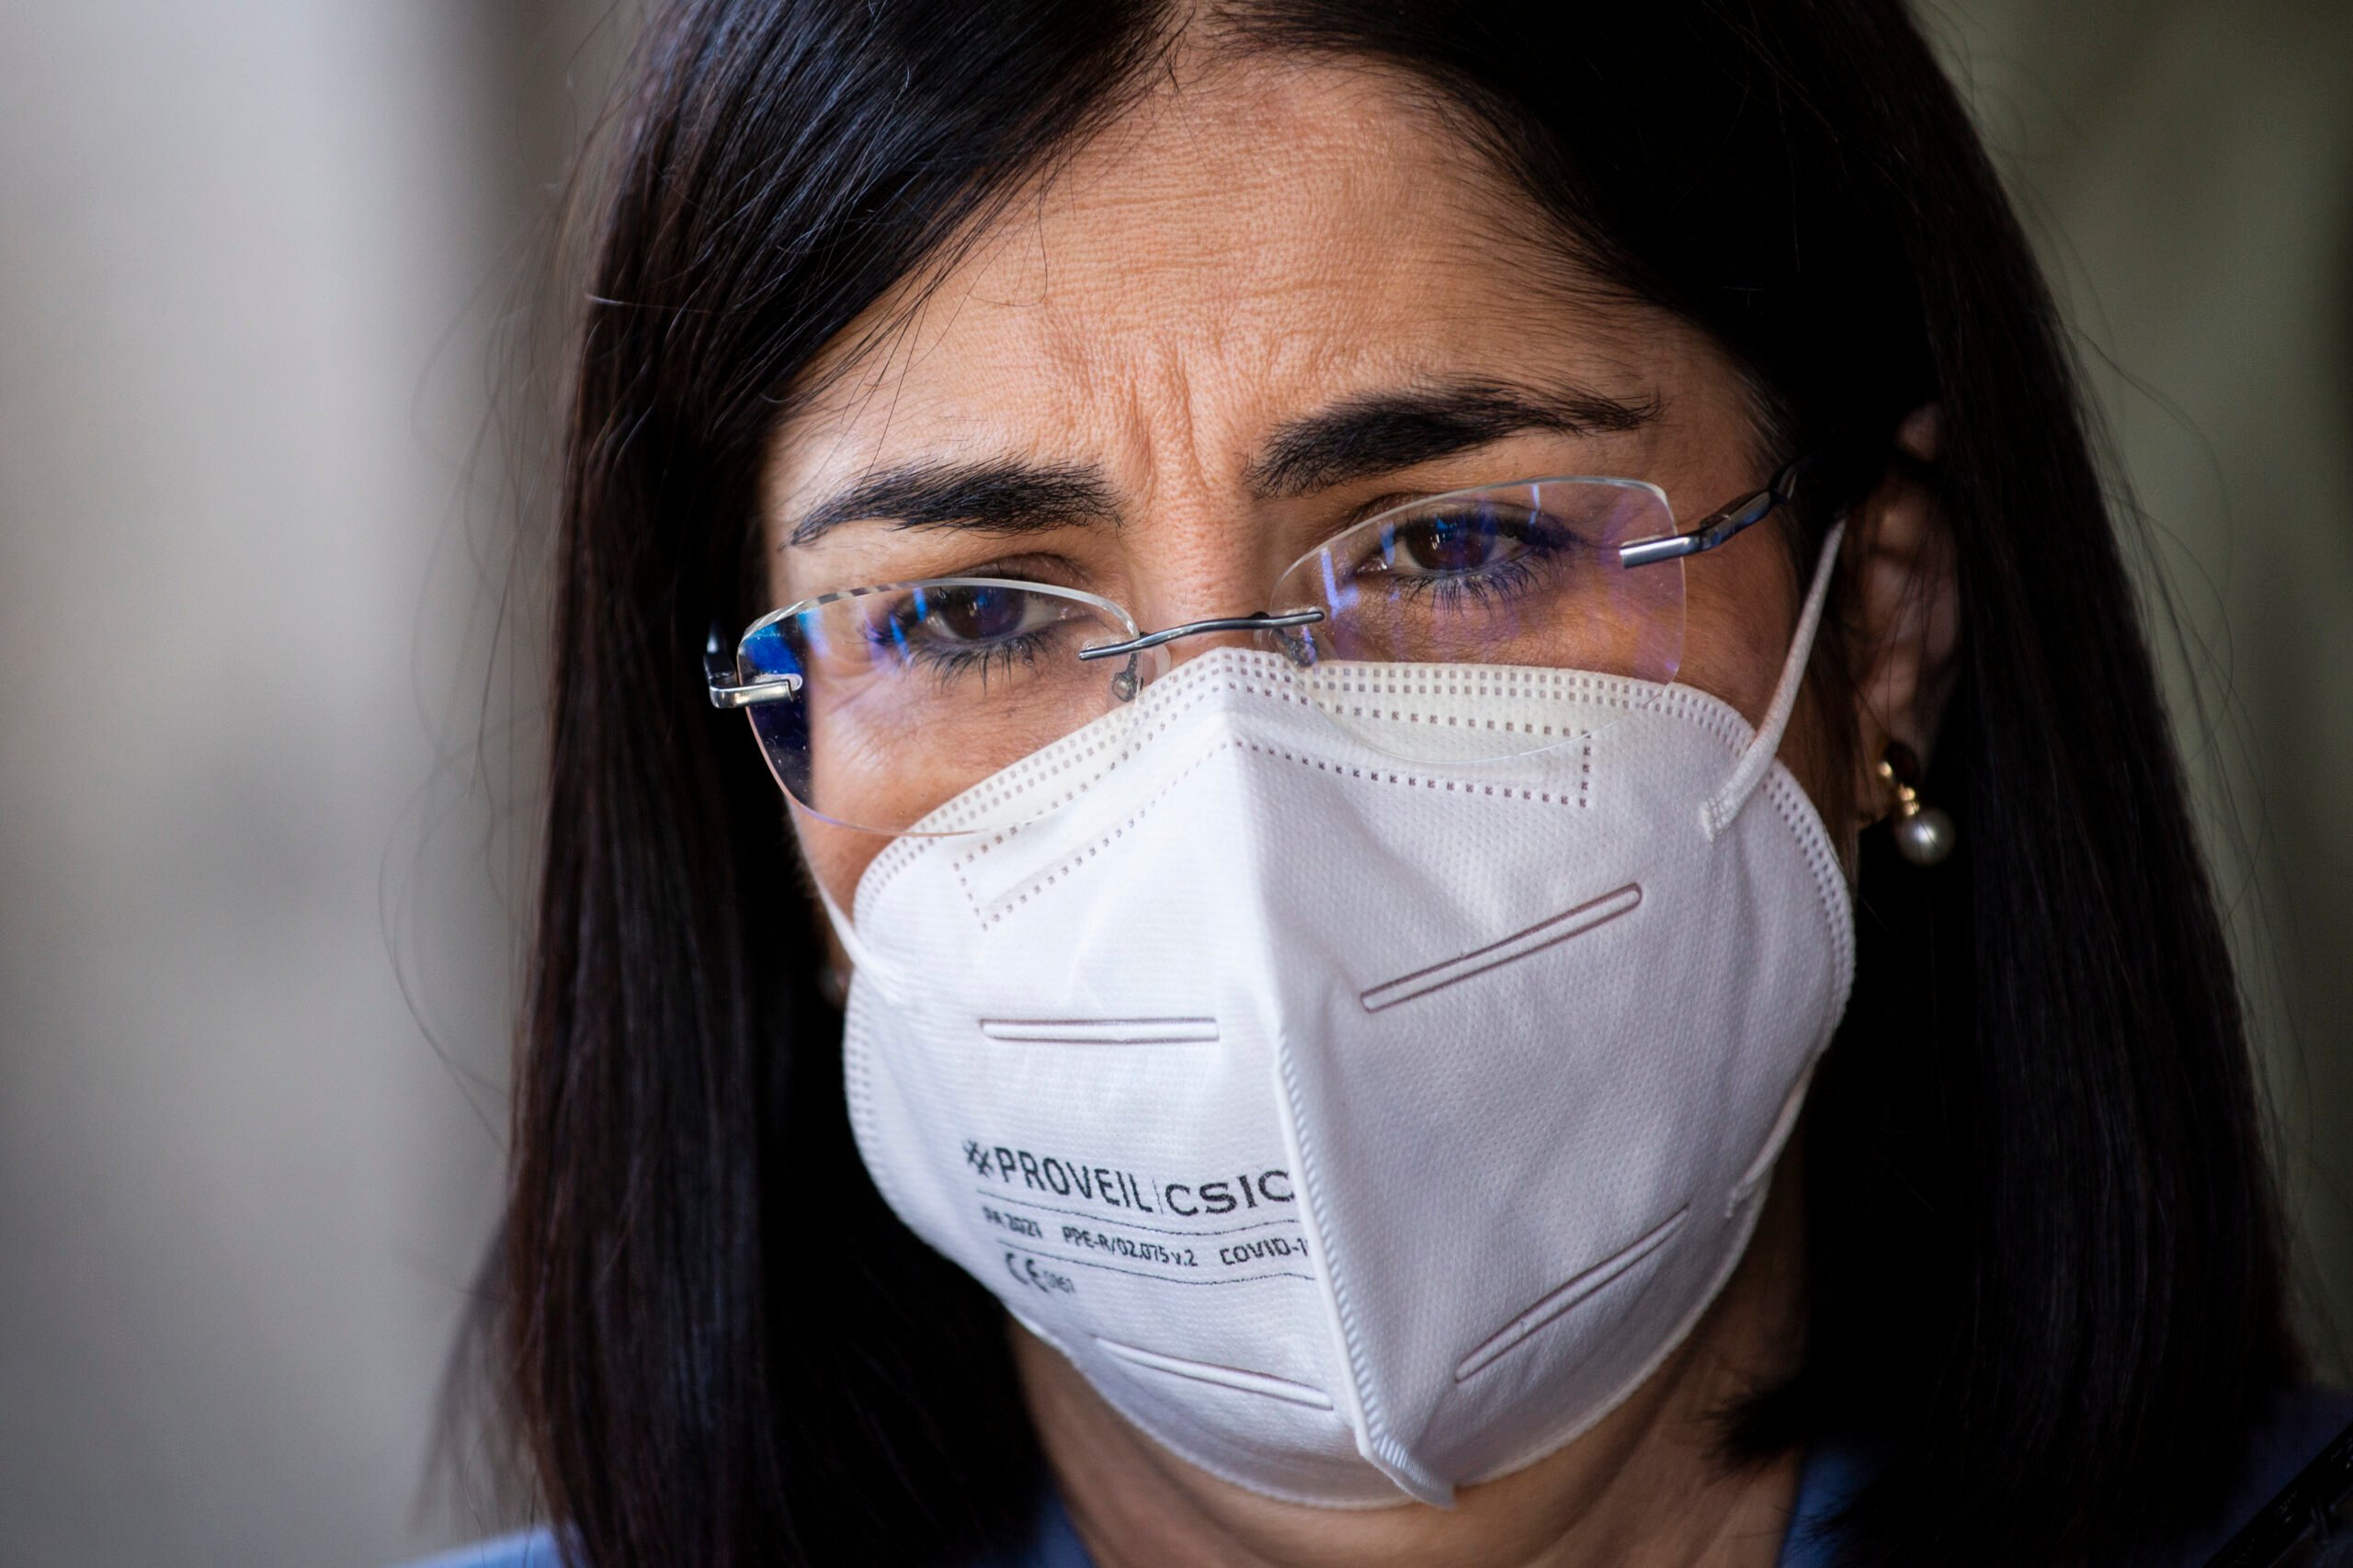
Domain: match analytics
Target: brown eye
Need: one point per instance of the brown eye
(1465, 538)
(971, 614)
(950, 616)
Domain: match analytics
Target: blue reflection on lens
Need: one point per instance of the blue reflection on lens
(1337, 596)
(769, 652)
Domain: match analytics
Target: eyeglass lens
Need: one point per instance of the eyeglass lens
(914, 693)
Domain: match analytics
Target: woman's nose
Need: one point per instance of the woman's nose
(1226, 609)
(1210, 631)
(1194, 647)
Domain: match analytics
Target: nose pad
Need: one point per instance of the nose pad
(1140, 669)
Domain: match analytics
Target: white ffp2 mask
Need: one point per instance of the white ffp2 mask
(1358, 1127)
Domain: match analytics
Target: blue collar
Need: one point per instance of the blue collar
(1830, 1477)
(2301, 1423)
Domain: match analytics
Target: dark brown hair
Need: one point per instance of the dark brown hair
(2045, 1283)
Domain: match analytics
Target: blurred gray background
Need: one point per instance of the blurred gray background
(265, 791)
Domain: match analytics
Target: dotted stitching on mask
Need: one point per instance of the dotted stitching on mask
(1363, 775)
(1039, 884)
(1047, 765)
(1457, 680)
(858, 1071)
(1412, 782)
(1560, 685)
(1712, 714)
(1789, 798)
(1557, 686)
(1616, 692)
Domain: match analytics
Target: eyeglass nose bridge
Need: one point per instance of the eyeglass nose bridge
(1258, 620)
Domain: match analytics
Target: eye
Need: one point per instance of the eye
(1468, 537)
(973, 614)
(946, 619)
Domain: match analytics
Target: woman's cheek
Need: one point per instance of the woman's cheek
(836, 856)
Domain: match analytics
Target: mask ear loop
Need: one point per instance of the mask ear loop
(861, 957)
(1723, 808)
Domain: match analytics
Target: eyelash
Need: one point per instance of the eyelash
(1540, 545)
(949, 663)
(1497, 584)
(1000, 658)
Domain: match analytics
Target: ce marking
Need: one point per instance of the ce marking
(1026, 1272)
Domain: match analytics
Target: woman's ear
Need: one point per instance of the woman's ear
(1903, 613)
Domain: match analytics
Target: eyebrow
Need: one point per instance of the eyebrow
(1000, 496)
(1385, 431)
(1358, 437)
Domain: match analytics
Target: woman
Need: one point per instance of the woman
(1349, 602)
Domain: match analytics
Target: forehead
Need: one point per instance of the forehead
(1253, 242)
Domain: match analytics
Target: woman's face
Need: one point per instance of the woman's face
(1263, 301)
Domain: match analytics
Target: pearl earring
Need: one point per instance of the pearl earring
(1923, 835)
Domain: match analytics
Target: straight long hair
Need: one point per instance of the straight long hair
(2045, 1283)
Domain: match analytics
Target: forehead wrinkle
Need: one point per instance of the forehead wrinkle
(1073, 316)
(1164, 427)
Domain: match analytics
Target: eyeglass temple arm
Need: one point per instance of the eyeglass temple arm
(719, 672)
(1711, 532)
(1847, 453)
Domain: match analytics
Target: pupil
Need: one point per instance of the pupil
(1455, 543)
(980, 615)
